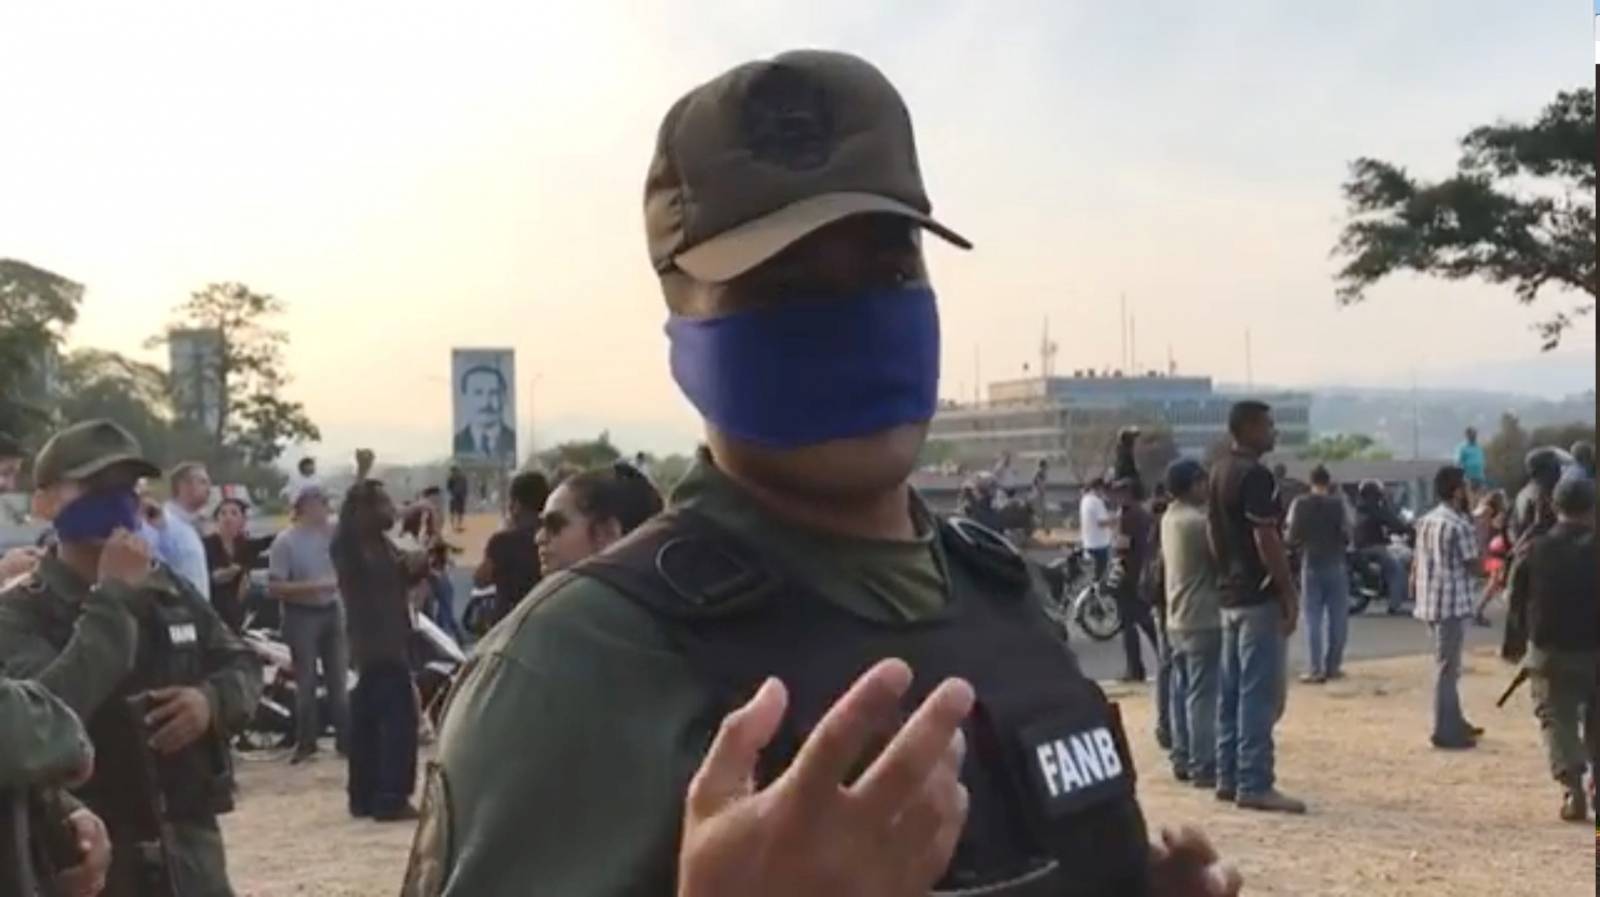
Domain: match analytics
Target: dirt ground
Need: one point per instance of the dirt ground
(1389, 816)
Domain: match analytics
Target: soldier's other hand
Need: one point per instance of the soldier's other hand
(126, 559)
(17, 562)
(88, 878)
(889, 833)
(1185, 864)
(177, 717)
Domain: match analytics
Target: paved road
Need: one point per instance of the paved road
(1373, 635)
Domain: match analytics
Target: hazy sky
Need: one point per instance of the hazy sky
(410, 179)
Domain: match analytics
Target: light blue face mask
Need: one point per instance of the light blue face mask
(804, 373)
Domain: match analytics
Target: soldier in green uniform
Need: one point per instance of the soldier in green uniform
(108, 631)
(707, 708)
(43, 745)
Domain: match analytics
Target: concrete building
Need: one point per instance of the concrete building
(1064, 418)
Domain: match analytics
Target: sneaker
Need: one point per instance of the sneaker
(403, 813)
(1203, 783)
(1573, 808)
(1475, 731)
(1226, 793)
(1180, 774)
(1163, 740)
(1313, 679)
(1465, 743)
(1575, 805)
(1336, 675)
(1271, 801)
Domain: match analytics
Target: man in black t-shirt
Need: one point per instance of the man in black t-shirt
(511, 559)
(457, 487)
(1259, 609)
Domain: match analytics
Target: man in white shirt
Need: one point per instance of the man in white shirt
(178, 540)
(304, 477)
(1097, 526)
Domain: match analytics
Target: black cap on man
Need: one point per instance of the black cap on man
(782, 212)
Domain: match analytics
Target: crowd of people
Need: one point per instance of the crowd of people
(796, 678)
(158, 596)
(1232, 570)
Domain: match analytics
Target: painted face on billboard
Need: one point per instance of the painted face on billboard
(484, 392)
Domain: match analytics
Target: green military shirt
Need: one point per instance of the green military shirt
(100, 651)
(41, 739)
(571, 740)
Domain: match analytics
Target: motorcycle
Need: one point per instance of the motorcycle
(437, 658)
(1369, 579)
(1095, 608)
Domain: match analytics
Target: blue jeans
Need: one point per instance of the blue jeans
(1196, 665)
(1164, 652)
(1394, 574)
(1448, 722)
(1326, 586)
(1247, 709)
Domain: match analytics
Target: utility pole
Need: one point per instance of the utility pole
(1133, 345)
(1122, 324)
(1249, 361)
(1416, 419)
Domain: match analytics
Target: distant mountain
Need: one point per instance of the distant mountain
(1432, 421)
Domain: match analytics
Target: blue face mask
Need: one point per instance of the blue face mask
(95, 516)
(804, 373)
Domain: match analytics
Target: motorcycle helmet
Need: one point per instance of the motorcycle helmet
(1371, 490)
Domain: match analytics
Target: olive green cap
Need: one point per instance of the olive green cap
(757, 158)
(85, 449)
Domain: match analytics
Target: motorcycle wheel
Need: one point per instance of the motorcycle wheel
(1359, 599)
(1097, 614)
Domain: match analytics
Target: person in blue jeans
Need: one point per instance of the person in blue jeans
(1319, 524)
(1193, 626)
(1260, 608)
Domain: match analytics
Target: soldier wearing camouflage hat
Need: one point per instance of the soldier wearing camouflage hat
(138, 655)
(797, 680)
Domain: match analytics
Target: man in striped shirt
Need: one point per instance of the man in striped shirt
(1443, 579)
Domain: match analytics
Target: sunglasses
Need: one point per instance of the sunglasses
(553, 522)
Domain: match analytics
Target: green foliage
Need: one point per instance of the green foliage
(255, 421)
(1345, 447)
(669, 471)
(36, 309)
(1519, 211)
(1155, 450)
(1503, 454)
(580, 454)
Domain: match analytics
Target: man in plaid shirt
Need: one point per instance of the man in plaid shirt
(1444, 579)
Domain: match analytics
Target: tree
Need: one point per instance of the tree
(1504, 454)
(581, 454)
(95, 383)
(1345, 447)
(252, 417)
(36, 309)
(1519, 211)
(1155, 450)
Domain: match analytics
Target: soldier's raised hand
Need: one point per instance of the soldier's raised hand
(890, 833)
(126, 559)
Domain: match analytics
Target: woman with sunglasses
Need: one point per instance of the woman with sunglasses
(589, 511)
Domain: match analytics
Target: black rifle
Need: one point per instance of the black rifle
(144, 810)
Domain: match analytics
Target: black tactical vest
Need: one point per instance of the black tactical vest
(1052, 810)
(196, 783)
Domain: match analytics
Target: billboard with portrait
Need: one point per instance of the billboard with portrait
(483, 384)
